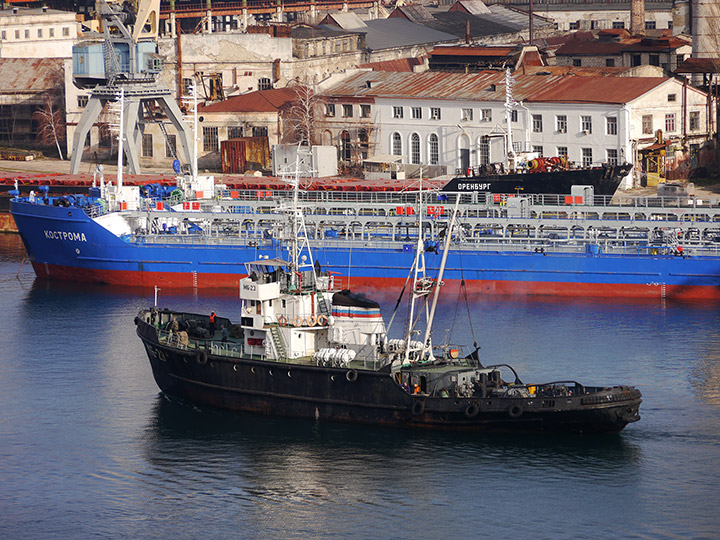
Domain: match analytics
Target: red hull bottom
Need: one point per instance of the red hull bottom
(178, 280)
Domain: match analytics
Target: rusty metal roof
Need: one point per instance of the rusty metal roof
(699, 65)
(490, 86)
(474, 51)
(260, 101)
(592, 46)
(30, 75)
(400, 64)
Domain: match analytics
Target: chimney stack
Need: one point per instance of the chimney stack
(637, 18)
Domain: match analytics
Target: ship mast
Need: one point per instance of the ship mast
(510, 105)
(441, 272)
(419, 280)
(121, 139)
(298, 233)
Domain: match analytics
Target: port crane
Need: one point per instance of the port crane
(125, 59)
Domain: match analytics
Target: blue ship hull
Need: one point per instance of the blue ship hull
(64, 243)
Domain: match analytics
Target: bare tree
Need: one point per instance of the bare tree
(299, 119)
(51, 122)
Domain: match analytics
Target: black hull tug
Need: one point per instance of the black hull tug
(304, 349)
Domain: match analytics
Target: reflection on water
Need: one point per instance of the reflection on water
(351, 469)
(89, 449)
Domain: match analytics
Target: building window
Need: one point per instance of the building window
(234, 132)
(210, 139)
(187, 83)
(518, 146)
(611, 125)
(574, 25)
(330, 110)
(670, 122)
(670, 24)
(3, 35)
(649, 25)
(364, 142)
(537, 123)
(538, 150)
(171, 146)
(264, 83)
(434, 113)
(577, 62)
(618, 24)
(694, 120)
(486, 115)
(51, 32)
(415, 148)
(612, 156)
(587, 158)
(396, 144)
(609, 62)
(434, 149)
(647, 124)
(586, 124)
(17, 34)
(397, 112)
(561, 123)
(562, 151)
(66, 31)
(416, 113)
(347, 110)
(82, 101)
(39, 32)
(654, 60)
(364, 111)
(514, 115)
(345, 148)
(466, 115)
(260, 131)
(672, 98)
(484, 151)
(635, 60)
(27, 34)
(147, 145)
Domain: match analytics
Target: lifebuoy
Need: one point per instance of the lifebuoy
(297, 321)
(282, 320)
(351, 375)
(418, 407)
(201, 357)
(472, 410)
(515, 411)
(311, 320)
(322, 320)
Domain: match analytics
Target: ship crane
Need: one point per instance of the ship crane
(124, 58)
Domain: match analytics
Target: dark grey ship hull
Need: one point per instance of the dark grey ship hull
(371, 396)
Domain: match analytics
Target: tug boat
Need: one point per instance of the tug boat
(304, 348)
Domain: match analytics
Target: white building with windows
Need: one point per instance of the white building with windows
(457, 120)
(37, 33)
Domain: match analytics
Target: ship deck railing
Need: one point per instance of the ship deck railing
(610, 243)
(232, 348)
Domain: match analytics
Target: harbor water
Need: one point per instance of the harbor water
(90, 449)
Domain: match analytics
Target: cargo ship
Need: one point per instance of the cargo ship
(579, 244)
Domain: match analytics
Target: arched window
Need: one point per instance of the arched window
(396, 144)
(434, 149)
(415, 149)
(327, 138)
(345, 146)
